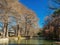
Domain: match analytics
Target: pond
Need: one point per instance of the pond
(30, 42)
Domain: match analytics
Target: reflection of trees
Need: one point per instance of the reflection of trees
(11, 11)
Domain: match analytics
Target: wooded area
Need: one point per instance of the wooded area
(51, 28)
(14, 16)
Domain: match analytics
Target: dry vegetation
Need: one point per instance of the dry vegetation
(15, 16)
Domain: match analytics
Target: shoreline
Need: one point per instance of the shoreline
(4, 40)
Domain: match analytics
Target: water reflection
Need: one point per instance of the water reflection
(29, 42)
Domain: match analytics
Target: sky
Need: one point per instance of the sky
(40, 7)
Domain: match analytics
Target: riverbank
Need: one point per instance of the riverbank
(17, 38)
(4, 40)
(36, 41)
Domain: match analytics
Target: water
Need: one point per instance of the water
(30, 42)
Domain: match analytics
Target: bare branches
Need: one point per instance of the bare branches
(53, 25)
(54, 4)
(24, 18)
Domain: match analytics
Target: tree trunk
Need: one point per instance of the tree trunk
(25, 29)
(5, 30)
(26, 26)
(18, 30)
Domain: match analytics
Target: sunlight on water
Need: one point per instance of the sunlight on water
(29, 42)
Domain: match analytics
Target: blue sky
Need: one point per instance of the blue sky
(40, 7)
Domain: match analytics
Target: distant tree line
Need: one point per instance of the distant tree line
(52, 26)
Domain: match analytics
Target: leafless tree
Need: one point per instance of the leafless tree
(25, 18)
(54, 4)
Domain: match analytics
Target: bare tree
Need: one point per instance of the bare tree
(12, 8)
(54, 4)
